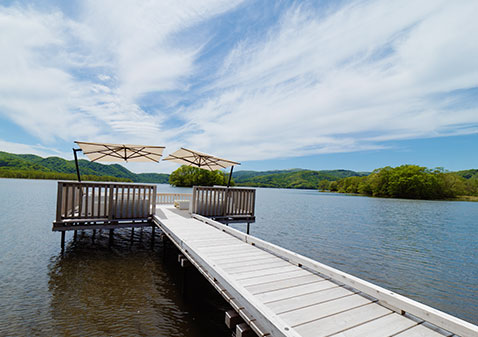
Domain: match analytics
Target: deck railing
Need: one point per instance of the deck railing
(170, 198)
(222, 201)
(86, 201)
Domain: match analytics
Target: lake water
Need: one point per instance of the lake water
(427, 250)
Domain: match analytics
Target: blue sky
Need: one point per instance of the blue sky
(272, 84)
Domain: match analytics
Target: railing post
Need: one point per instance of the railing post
(153, 209)
(225, 201)
(110, 206)
(194, 201)
(59, 200)
(253, 208)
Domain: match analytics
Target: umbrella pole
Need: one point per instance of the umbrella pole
(230, 176)
(76, 163)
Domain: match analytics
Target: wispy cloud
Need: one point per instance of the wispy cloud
(347, 77)
(64, 78)
(345, 81)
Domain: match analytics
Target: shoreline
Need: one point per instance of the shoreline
(470, 198)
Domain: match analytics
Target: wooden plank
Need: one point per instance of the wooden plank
(87, 200)
(306, 300)
(133, 199)
(341, 321)
(384, 326)
(315, 312)
(264, 265)
(262, 314)
(149, 203)
(73, 190)
(99, 202)
(93, 201)
(238, 246)
(67, 202)
(66, 227)
(153, 206)
(218, 242)
(420, 331)
(80, 199)
(226, 251)
(239, 257)
(111, 203)
(273, 278)
(251, 261)
(264, 272)
(59, 199)
(198, 241)
(129, 211)
(282, 284)
(295, 290)
(122, 213)
(434, 316)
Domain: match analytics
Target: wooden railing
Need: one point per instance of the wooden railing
(170, 198)
(222, 201)
(82, 202)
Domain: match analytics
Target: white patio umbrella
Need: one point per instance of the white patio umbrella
(106, 152)
(202, 160)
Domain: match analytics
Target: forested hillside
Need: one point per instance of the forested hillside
(295, 178)
(409, 181)
(36, 167)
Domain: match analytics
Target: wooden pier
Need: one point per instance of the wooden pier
(276, 292)
(280, 293)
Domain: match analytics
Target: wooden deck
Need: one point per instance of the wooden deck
(280, 293)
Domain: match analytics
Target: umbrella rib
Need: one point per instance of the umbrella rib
(134, 150)
(116, 150)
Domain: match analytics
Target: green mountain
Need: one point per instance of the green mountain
(468, 174)
(59, 168)
(295, 178)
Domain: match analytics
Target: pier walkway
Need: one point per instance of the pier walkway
(281, 293)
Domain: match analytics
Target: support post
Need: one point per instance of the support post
(248, 224)
(62, 241)
(111, 236)
(75, 235)
(230, 176)
(243, 330)
(232, 319)
(76, 163)
(153, 232)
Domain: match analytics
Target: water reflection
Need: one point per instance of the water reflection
(126, 289)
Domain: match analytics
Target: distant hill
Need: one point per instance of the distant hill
(468, 174)
(59, 168)
(294, 178)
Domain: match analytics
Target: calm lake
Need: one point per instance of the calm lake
(427, 250)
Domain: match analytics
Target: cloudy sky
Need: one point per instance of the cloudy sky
(273, 84)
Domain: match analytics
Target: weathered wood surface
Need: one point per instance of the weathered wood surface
(170, 198)
(223, 202)
(103, 202)
(276, 296)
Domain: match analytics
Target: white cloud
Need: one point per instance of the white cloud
(342, 82)
(320, 81)
(48, 64)
(37, 149)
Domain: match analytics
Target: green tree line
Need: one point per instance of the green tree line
(29, 174)
(188, 176)
(406, 181)
(58, 167)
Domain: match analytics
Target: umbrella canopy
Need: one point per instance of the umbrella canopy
(199, 159)
(105, 152)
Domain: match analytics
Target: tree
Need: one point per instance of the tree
(188, 176)
(324, 185)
